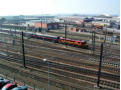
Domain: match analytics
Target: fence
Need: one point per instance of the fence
(12, 77)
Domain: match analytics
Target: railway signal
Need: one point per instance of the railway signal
(100, 65)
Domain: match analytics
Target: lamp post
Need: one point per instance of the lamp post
(45, 60)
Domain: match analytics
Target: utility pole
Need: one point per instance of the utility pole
(15, 31)
(23, 54)
(105, 28)
(41, 24)
(93, 41)
(13, 36)
(100, 65)
(65, 32)
(48, 75)
(105, 34)
(7, 47)
(112, 40)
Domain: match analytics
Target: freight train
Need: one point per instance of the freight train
(55, 39)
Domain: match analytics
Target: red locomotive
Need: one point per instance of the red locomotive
(76, 43)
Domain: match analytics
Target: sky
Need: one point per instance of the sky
(38, 7)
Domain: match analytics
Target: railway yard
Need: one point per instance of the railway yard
(71, 68)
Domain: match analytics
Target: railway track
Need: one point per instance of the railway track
(82, 51)
(69, 67)
(63, 58)
(55, 66)
(59, 61)
(44, 79)
(107, 51)
(65, 53)
(41, 58)
(75, 62)
(53, 80)
(97, 52)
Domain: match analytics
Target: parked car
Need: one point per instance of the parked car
(9, 86)
(20, 88)
(3, 82)
(1, 78)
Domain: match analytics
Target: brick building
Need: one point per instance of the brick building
(47, 26)
(76, 29)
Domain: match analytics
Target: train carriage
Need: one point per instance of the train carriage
(45, 37)
(55, 39)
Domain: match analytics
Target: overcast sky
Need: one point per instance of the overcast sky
(27, 7)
